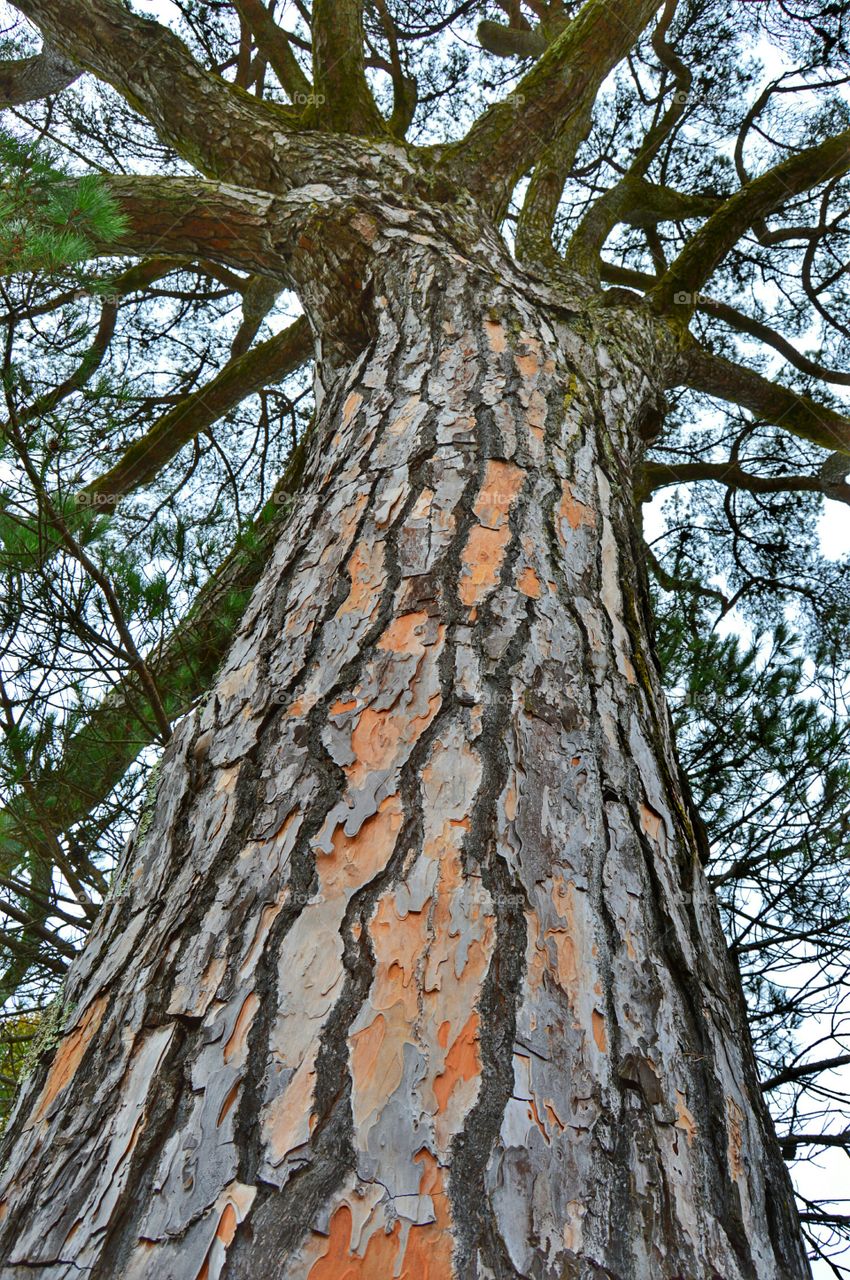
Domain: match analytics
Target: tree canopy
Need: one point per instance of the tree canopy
(159, 163)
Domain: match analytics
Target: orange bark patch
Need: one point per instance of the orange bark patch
(499, 489)
(481, 562)
(404, 634)
(338, 1262)
(429, 1249)
(226, 1229)
(574, 512)
(399, 941)
(462, 1063)
(239, 1035)
(529, 583)
(735, 1132)
(70, 1053)
(650, 821)
(684, 1118)
(553, 1117)
(497, 339)
(377, 736)
(350, 407)
(528, 366)
(599, 1031)
(227, 1105)
(339, 708)
(365, 1048)
(286, 1113)
(366, 570)
(234, 1212)
(355, 859)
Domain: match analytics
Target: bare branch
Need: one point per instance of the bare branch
(659, 475)
(805, 1069)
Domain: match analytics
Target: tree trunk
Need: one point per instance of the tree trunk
(415, 972)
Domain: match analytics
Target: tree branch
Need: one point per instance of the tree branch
(806, 1069)
(221, 130)
(717, 376)
(273, 43)
(552, 100)
(636, 202)
(101, 750)
(678, 287)
(28, 79)
(658, 475)
(194, 218)
(242, 377)
(613, 274)
(344, 101)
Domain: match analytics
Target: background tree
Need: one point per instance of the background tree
(158, 451)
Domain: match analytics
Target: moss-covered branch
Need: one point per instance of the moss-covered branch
(264, 364)
(677, 289)
(344, 100)
(802, 416)
(223, 131)
(28, 79)
(273, 43)
(552, 100)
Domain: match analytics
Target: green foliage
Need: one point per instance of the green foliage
(48, 221)
(18, 1034)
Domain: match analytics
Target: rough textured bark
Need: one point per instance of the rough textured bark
(415, 971)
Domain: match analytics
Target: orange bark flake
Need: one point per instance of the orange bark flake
(481, 562)
(286, 1113)
(574, 512)
(528, 366)
(238, 1199)
(350, 407)
(237, 1041)
(735, 1132)
(69, 1055)
(227, 1105)
(499, 490)
(366, 571)
(497, 339)
(404, 634)
(684, 1118)
(378, 735)
(427, 1249)
(355, 859)
(650, 821)
(340, 708)
(529, 583)
(462, 1063)
(599, 1031)
(338, 1262)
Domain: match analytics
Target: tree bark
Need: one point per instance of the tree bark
(415, 972)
